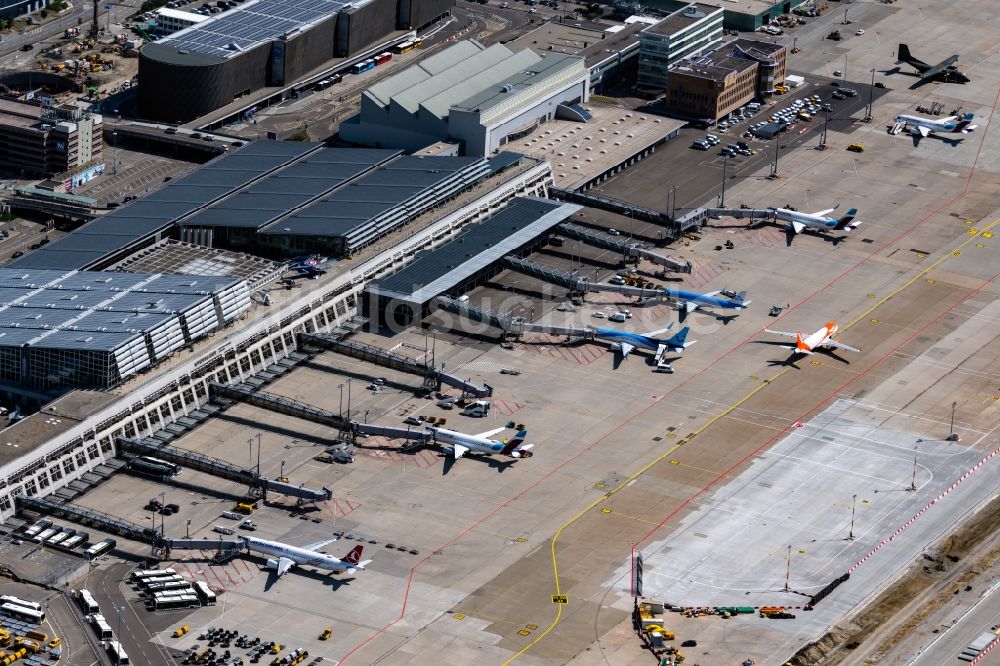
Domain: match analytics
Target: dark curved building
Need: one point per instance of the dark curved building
(263, 43)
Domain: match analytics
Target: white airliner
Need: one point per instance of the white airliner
(821, 338)
(483, 443)
(926, 126)
(797, 221)
(286, 556)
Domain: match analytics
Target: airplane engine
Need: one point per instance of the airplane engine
(272, 565)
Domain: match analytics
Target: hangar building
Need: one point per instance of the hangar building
(263, 43)
(95, 330)
(483, 97)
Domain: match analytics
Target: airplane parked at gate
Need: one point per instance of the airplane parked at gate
(926, 126)
(808, 344)
(283, 556)
(459, 443)
(943, 71)
(798, 222)
(625, 342)
(690, 301)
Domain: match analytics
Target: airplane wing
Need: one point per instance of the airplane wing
(938, 68)
(840, 345)
(784, 333)
(284, 564)
(457, 451)
(658, 333)
(827, 211)
(626, 349)
(924, 132)
(490, 433)
(797, 227)
(320, 544)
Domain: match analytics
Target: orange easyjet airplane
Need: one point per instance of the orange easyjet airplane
(821, 338)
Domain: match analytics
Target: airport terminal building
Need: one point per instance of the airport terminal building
(482, 97)
(263, 43)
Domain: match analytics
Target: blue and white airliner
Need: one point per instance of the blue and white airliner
(689, 300)
(625, 342)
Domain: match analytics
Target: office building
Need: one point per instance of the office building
(46, 141)
(710, 86)
(695, 28)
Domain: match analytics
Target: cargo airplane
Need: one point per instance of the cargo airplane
(809, 343)
(459, 443)
(926, 126)
(943, 71)
(283, 557)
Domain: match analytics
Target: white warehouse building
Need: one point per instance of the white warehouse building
(481, 97)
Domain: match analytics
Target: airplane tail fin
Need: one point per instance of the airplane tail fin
(963, 125)
(679, 339)
(354, 557)
(904, 53)
(846, 222)
(514, 442)
(800, 344)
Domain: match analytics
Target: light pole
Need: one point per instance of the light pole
(349, 399)
(250, 442)
(871, 99)
(187, 531)
(913, 481)
(774, 168)
(788, 568)
(341, 410)
(953, 436)
(114, 152)
(673, 208)
(854, 502)
(722, 195)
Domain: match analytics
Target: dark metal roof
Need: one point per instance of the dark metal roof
(290, 188)
(159, 210)
(444, 268)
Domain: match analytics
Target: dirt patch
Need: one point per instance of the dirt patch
(944, 564)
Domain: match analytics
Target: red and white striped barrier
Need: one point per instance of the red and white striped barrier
(979, 657)
(922, 511)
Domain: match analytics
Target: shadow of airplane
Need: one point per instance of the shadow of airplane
(501, 466)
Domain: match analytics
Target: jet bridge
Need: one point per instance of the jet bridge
(627, 248)
(221, 469)
(433, 378)
(743, 213)
(574, 283)
(79, 514)
(614, 206)
(277, 403)
(511, 325)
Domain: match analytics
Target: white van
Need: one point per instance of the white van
(618, 317)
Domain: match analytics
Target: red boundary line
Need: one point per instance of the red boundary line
(581, 452)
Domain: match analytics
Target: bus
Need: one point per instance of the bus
(59, 537)
(205, 593)
(46, 533)
(362, 67)
(33, 531)
(101, 627)
(116, 653)
(168, 585)
(383, 58)
(74, 541)
(24, 614)
(174, 603)
(155, 466)
(87, 603)
(149, 575)
(23, 603)
(100, 548)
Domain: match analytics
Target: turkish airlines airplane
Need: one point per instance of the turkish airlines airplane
(808, 344)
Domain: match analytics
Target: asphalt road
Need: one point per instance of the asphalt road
(110, 588)
(964, 629)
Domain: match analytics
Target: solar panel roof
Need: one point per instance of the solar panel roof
(273, 197)
(255, 22)
(137, 219)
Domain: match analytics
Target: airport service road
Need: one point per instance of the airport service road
(962, 630)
